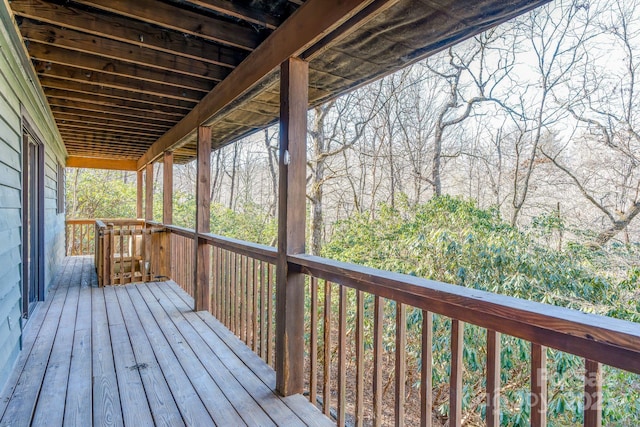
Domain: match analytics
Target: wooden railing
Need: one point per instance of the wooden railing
(80, 237)
(182, 259)
(129, 251)
(360, 382)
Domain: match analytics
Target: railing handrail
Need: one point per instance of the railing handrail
(254, 250)
(603, 339)
(71, 221)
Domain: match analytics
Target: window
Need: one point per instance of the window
(60, 188)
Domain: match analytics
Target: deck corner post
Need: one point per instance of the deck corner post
(139, 190)
(167, 214)
(148, 193)
(202, 292)
(294, 75)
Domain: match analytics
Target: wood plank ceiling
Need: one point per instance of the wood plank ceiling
(119, 75)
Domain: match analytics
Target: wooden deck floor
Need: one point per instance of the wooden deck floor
(137, 355)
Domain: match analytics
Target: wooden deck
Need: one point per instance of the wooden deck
(137, 355)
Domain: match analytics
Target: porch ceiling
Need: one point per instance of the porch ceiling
(120, 76)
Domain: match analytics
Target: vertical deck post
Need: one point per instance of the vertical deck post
(294, 75)
(148, 193)
(146, 252)
(202, 297)
(167, 214)
(139, 212)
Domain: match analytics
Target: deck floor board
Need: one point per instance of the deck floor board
(138, 355)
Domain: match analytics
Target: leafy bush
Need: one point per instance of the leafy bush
(452, 240)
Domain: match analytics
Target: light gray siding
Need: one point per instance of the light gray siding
(19, 94)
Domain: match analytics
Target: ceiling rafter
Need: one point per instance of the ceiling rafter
(237, 10)
(129, 31)
(83, 76)
(119, 116)
(185, 21)
(48, 54)
(110, 49)
(92, 91)
(123, 111)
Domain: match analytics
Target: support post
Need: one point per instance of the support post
(139, 211)
(167, 188)
(167, 214)
(148, 193)
(202, 296)
(294, 75)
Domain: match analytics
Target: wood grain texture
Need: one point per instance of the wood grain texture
(607, 340)
(203, 219)
(493, 379)
(162, 361)
(592, 394)
(291, 225)
(538, 385)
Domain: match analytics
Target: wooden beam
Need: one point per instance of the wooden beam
(167, 214)
(128, 31)
(96, 99)
(182, 20)
(94, 124)
(86, 92)
(109, 121)
(294, 75)
(309, 24)
(100, 163)
(124, 111)
(167, 188)
(148, 192)
(251, 14)
(79, 42)
(48, 54)
(83, 129)
(139, 195)
(119, 116)
(202, 293)
(82, 76)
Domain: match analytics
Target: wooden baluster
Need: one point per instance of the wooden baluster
(426, 378)
(74, 250)
(378, 324)
(359, 358)
(592, 394)
(270, 317)
(233, 297)
(455, 380)
(313, 342)
(244, 270)
(227, 288)
(254, 316)
(107, 256)
(214, 281)
(134, 260)
(121, 240)
(538, 385)
(239, 295)
(493, 378)
(326, 368)
(263, 309)
(221, 280)
(401, 358)
(112, 255)
(342, 355)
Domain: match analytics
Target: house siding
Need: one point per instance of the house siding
(20, 97)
